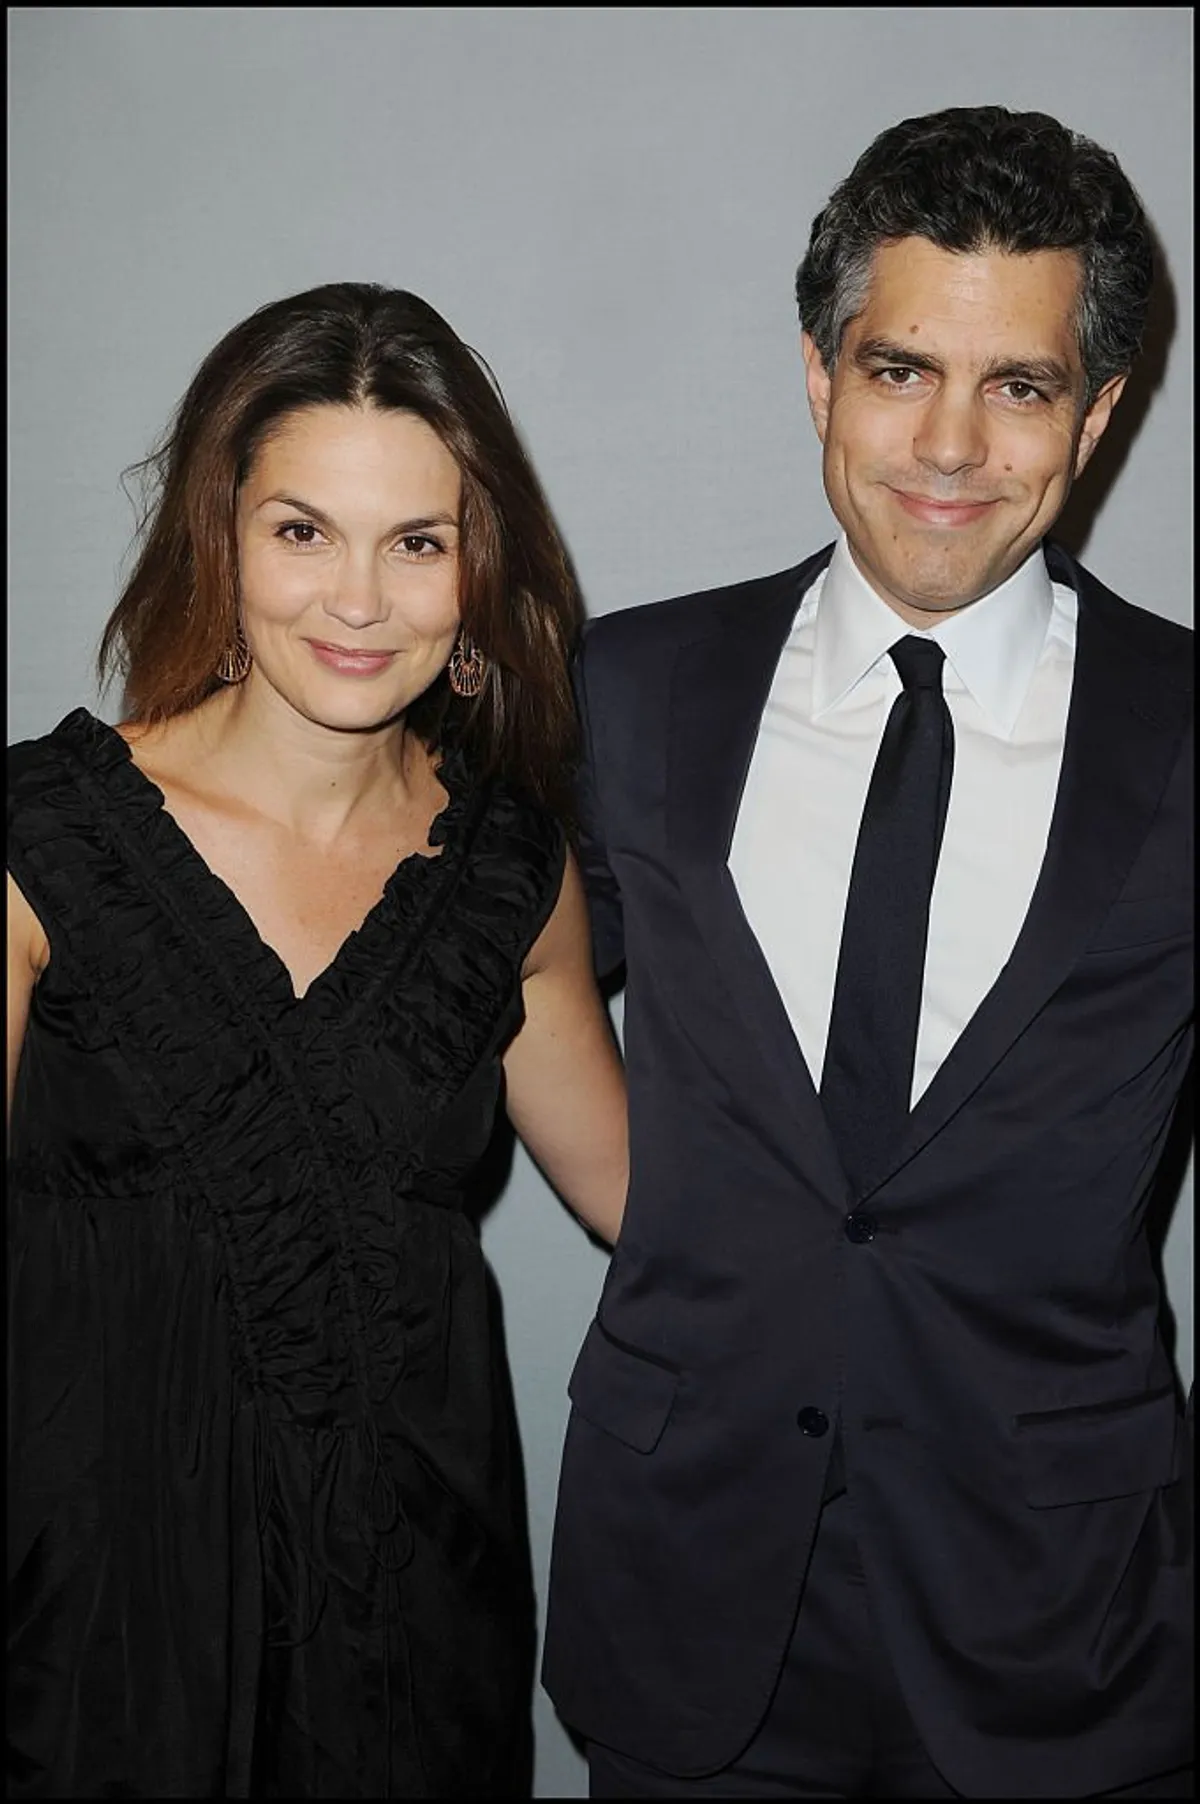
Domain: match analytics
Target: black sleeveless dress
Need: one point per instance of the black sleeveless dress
(265, 1536)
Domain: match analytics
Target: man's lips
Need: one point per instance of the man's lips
(941, 513)
(350, 662)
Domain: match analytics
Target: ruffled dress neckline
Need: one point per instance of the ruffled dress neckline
(136, 807)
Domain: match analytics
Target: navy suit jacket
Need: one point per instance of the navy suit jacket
(1013, 1440)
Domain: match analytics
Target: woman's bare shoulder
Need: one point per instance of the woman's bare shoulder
(27, 939)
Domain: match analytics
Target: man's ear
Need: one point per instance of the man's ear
(1096, 419)
(818, 382)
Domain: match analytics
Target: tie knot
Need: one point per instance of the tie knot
(919, 662)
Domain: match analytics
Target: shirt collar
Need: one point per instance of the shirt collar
(992, 646)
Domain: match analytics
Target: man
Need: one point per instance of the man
(872, 1484)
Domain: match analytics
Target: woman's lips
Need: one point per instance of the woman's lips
(941, 513)
(350, 663)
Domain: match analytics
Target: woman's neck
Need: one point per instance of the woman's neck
(251, 746)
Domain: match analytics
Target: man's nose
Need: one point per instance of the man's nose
(952, 433)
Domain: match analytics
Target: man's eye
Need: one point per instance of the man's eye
(898, 375)
(1023, 391)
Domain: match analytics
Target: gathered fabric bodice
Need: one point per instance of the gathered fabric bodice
(265, 1528)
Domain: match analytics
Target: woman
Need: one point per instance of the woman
(275, 945)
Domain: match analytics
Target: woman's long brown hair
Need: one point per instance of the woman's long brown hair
(347, 344)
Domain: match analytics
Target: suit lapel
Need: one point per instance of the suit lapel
(1122, 735)
(1123, 731)
(719, 688)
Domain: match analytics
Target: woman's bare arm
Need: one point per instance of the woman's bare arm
(28, 956)
(566, 1085)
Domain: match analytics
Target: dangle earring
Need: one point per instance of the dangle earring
(467, 667)
(236, 660)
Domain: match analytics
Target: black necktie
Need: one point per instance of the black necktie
(866, 1084)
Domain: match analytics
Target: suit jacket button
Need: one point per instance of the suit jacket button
(860, 1227)
(813, 1422)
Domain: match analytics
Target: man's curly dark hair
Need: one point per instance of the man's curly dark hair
(983, 178)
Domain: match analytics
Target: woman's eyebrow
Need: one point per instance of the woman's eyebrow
(419, 523)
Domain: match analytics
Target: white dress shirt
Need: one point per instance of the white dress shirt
(1007, 681)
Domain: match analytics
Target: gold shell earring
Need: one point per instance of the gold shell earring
(236, 660)
(467, 667)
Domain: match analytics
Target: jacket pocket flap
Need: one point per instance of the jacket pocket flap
(621, 1391)
(1102, 1450)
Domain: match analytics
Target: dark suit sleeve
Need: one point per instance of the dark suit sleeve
(603, 893)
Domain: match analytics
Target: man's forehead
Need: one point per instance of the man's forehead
(1024, 302)
(984, 276)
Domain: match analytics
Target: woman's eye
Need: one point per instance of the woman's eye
(298, 532)
(418, 544)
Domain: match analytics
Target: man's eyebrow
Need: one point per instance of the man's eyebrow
(420, 522)
(887, 350)
(1040, 372)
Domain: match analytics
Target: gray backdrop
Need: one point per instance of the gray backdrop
(609, 203)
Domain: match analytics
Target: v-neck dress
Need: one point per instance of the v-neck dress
(265, 1526)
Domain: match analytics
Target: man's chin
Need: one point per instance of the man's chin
(936, 581)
